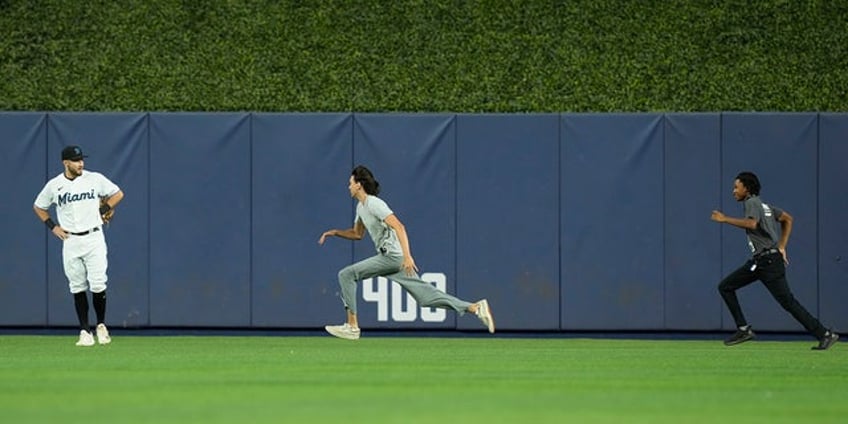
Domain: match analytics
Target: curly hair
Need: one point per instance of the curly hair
(750, 181)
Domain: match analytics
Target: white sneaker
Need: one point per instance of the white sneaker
(485, 315)
(344, 331)
(103, 334)
(86, 339)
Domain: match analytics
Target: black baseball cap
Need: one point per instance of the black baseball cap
(72, 153)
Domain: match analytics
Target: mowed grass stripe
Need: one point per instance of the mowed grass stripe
(213, 379)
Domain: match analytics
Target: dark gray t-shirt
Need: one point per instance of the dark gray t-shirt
(767, 234)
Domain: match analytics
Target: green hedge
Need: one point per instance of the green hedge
(424, 56)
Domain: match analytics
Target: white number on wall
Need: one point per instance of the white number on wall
(392, 297)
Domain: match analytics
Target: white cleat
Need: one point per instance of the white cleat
(86, 339)
(344, 331)
(485, 315)
(103, 334)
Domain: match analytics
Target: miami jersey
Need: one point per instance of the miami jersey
(77, 201)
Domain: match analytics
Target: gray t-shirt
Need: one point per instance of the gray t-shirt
(373, 213)
(766, 235)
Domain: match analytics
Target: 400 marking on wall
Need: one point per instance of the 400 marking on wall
(390, 297)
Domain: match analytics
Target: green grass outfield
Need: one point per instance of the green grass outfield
(251, 379)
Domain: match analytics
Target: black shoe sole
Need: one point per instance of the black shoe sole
(827, 343)
(739, 341)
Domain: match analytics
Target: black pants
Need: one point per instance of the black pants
(772, 272)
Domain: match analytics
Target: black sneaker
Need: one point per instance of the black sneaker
(741, 336)
(827, 341)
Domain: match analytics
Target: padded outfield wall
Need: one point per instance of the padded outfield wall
(563, 221)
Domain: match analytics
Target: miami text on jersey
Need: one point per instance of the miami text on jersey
(68, 197)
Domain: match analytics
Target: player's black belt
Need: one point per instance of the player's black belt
(85, 233)
(766, 252)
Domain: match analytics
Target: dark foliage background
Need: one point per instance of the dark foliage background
(424, 56)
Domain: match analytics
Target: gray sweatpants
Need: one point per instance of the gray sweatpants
(390, 267)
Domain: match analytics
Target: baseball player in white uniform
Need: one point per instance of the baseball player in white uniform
(76, 194)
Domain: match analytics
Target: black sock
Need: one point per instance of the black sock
(81, 304)
(99, 300)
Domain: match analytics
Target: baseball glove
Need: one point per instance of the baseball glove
(108, 214)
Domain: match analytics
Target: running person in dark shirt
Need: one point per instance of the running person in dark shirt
(767, 264)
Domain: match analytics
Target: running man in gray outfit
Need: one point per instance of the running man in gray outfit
(393, 259)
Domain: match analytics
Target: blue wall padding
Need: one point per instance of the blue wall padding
(692, 242)
(299, 179)
(508, 216)
(612, 221)
(832, 229)
(562, 221)
(23, 276)
(200, 210)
